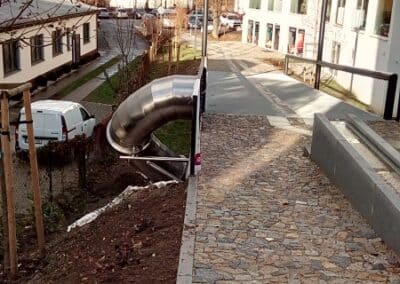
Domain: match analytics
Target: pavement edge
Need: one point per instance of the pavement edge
(186, 255)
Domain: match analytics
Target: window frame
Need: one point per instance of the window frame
(57, 42)
(296, 9)
(255, 4)
(378, 30)
(86, 33)
(339, 3)
(37, 49)
(13, 55)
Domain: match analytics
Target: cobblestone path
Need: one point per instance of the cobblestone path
(265, 213)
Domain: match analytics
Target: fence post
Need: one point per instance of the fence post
(390, 97)
(8, 173)
(193, 136)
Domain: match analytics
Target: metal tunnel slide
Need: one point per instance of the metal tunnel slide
(130, 130)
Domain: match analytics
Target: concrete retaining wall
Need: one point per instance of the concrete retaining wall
(368, 192)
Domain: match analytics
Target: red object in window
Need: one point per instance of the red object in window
(300, 44)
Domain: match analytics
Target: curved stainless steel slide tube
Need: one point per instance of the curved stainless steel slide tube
(132, 124)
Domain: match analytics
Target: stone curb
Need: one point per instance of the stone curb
(186, 255)
(380, 144)
(377, 202)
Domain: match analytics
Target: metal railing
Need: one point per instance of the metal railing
(391, 78)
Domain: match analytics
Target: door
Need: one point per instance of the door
(250, 31)
(76, 49)
(277, 34)
(88, 122)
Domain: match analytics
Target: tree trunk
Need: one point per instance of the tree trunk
(215, 31)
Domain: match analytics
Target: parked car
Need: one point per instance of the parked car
(54, 120)
(231, 20)
(196, 22)
(103, 13)
(148, 16)
(122, 13)
(140, 13)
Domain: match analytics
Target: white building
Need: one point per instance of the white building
(47, 40)
(140, 4)
(359, 33)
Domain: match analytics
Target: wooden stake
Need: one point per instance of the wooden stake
(37, 200)
(4, 218)
(8, 173)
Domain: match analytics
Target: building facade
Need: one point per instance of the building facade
(360, 33)
(41, 48)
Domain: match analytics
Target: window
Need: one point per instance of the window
(292, 40)
(255, 4)
(383, 15)
(37, 49)
(68, 39)
(11, 56)
(361, 14)
(86, 33)
(85, 115)
(298, 6)
(275, 5)
(268, 39)
(340, 12)
(57, 42)
(328, 10)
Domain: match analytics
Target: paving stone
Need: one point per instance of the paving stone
(267, 214)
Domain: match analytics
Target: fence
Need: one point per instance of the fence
(391, 78)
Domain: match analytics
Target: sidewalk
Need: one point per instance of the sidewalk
(265, 212)
(231, 62)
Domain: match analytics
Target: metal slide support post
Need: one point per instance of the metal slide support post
(203, 81)
(390, 97)
(321, 37)
(398, 110)
(193, 136)
(203, 88)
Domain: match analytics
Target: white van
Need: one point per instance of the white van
(54, 120)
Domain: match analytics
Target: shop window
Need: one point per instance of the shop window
(268, 40)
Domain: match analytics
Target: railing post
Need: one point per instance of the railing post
(390, 97)
(286, 64)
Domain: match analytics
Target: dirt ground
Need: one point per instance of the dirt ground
(137, 241)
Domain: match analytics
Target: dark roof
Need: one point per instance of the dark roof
(39, 11)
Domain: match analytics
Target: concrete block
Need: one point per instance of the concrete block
(323, 145)
(386, 216)
(354, 176)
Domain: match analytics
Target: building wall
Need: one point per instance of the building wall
(28, 70)
(362, 48)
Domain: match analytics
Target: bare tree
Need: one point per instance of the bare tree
(125, 37)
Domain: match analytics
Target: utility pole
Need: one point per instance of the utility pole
(320, 44)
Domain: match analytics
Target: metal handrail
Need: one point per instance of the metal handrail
(390, 77)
